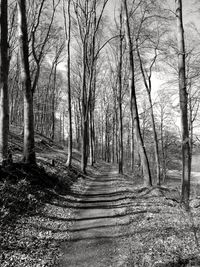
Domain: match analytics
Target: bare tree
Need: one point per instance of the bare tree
(147, 74)
(88, 25)
(38, 50)
(134, 109)
(186, 157)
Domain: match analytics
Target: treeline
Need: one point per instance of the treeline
(87, 76)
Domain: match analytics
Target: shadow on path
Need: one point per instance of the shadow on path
(99, 217)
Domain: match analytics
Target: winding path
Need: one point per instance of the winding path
(100, 217)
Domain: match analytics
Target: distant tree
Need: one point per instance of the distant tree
(4, 102)
(29, 146)
(40, 36)
(54, 86)
(88, 18)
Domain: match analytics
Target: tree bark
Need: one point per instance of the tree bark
(4, 101)
(133, 104)
(183, 97)
(29, 146)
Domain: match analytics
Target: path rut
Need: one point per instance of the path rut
(100, 216)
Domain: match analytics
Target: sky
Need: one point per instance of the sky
(190, 9)
(191, 14)
(111, 8)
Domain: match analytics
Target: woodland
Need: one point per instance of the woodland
(99, 119)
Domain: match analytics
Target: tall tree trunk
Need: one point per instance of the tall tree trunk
(134, 109)
(84, 157)
(116, 137)
(106, 138)
(186, 158)
(91, 104)
(94, 139)
(91, 137)
(163, 146)
(4, 102)
(60, 137)
(68, 39)
(155, 139)
(191, 119)
(53, 103)
(63, 133)
(132, 145)
(113, 139)
(29, 147)
(102, 143)
(120, 163)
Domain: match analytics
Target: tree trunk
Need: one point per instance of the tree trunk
(186, 158)
(191, 119)
(68, 39)
(63, 133)
(84, 157)
(162, 146)
(134, 109)
(113, 139)
(29, 147)
(91, 137)
(4, 102)
(155, 139)
(120, 163)
(132, 146)
(53, 103)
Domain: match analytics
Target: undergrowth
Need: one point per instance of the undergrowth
(25, 188)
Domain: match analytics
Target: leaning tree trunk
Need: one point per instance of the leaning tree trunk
(29, 147)
(186, 158)
(147, 84)
(134, 109)
(4, 103)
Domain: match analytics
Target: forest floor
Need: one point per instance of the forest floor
(120, 223)
(55, 216)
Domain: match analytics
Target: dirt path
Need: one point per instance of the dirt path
(99, 218)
